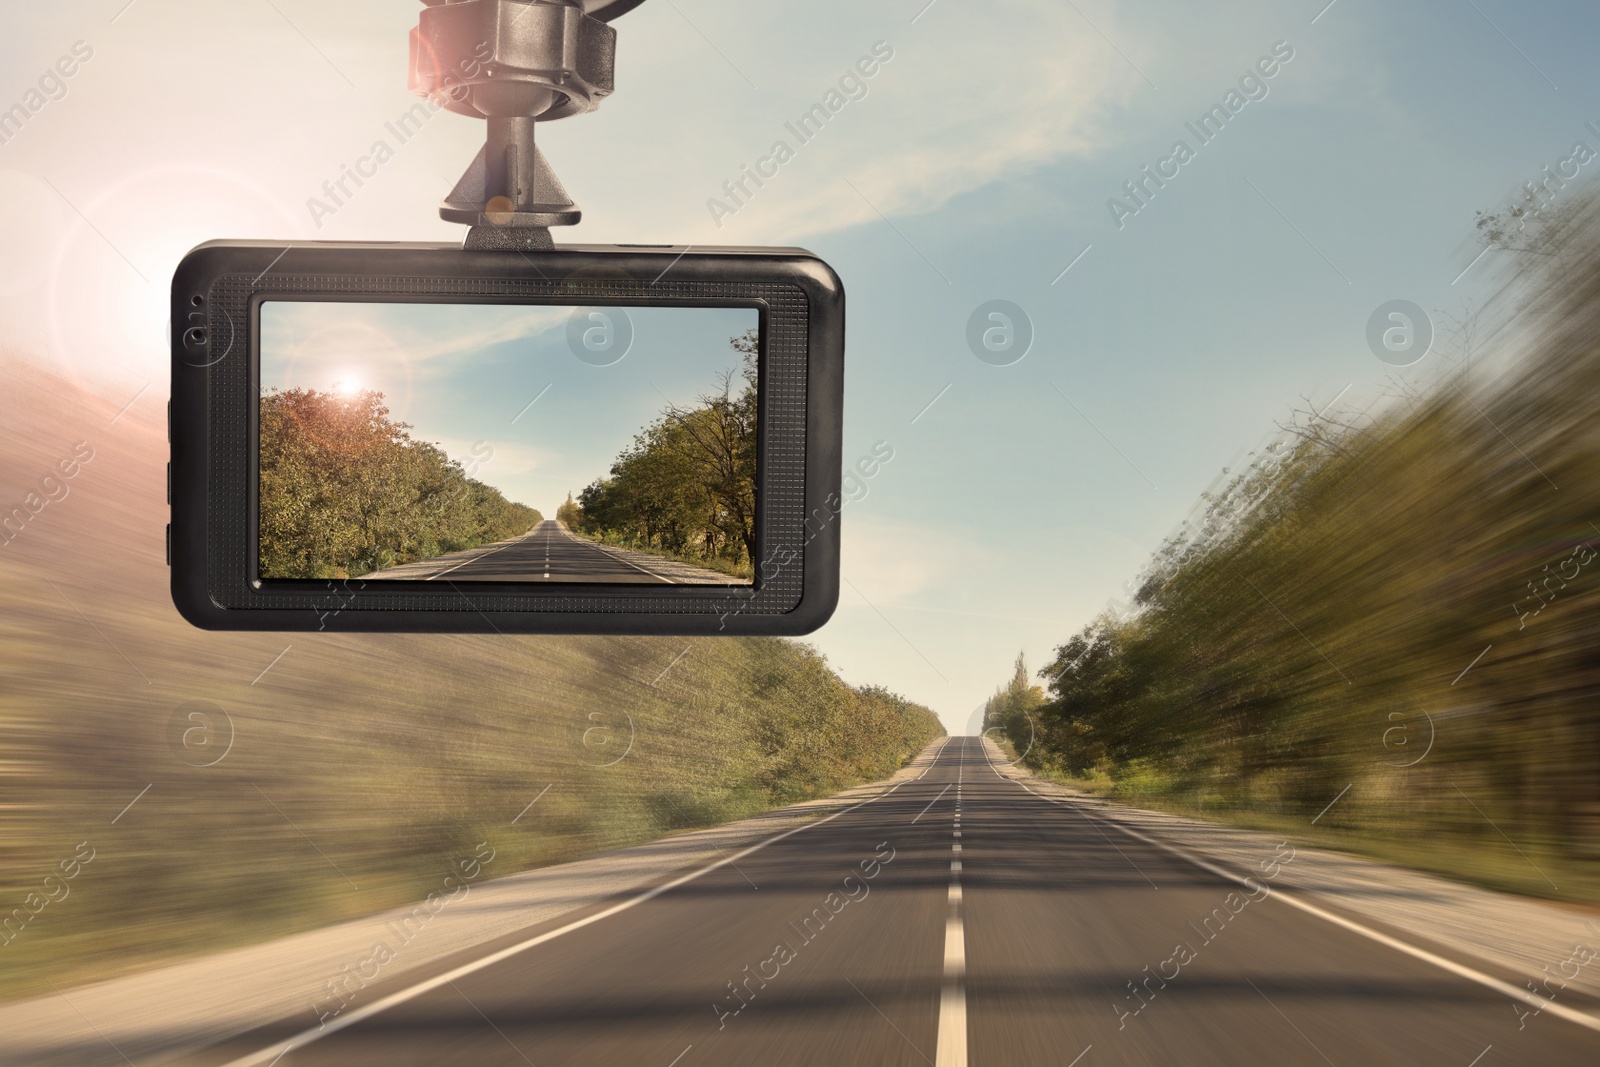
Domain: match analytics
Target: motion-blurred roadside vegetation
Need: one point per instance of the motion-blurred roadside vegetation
(1388, 622)
(348, 772)
(686, 488)
(346, 490)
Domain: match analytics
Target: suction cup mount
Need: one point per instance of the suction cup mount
(515, 63)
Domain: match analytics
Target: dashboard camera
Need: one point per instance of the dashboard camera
(506, 436)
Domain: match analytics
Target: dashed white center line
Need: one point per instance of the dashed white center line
(955, 946)
(952, 1047)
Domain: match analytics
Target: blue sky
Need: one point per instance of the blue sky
(975, 164)
(498, 385)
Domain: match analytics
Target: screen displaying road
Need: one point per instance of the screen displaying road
(508, 443)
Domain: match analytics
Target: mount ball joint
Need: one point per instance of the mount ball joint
(514, 63)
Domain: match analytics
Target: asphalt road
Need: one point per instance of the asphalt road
(958, 919)
(549, 553)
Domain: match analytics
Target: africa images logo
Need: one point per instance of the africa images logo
(1208, 127)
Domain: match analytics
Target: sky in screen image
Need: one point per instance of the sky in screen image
(1168, 335)
(498, 387)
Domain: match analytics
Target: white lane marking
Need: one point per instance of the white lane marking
(475, 559)
(546, 525)
(955, 944)
(951, 1050)
(1572, 1015)
(945, 744)
(255, 1059)
(618, 559)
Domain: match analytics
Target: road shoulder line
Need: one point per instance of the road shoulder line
(1523, 996)
(278, 1049)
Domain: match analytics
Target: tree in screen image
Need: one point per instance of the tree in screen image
(346, 491)
(686, 487)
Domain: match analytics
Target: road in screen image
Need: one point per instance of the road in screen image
(553, 553)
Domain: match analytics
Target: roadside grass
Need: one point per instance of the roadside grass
(1529, 869)
(1404, 600)
(348, 773)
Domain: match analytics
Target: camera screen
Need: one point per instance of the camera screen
(508, 443)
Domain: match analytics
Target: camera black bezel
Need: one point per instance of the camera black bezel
(214, 423)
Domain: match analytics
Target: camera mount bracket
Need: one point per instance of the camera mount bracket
(515, 63)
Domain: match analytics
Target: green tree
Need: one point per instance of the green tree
(686, 486)
(1309, 632)
(345, 491)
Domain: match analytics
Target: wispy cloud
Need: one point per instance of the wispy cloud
(428, 339)
(917, 139)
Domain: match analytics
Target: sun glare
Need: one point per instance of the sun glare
(348, 386)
